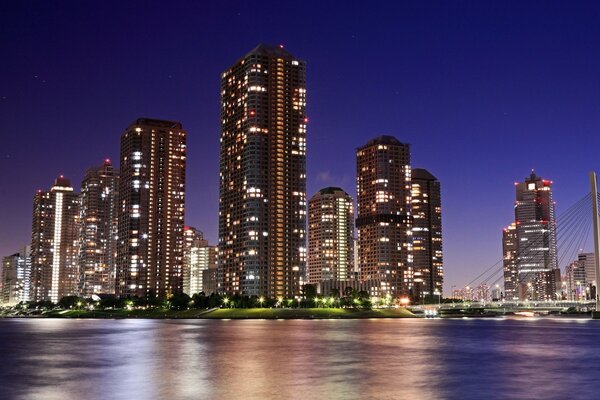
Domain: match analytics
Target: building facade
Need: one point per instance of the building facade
(427, 234)
(15, 277)
(98, 230)
(54, 243)
(262, 205)
(384, 221)
(198, 258)
(538, 277)
(151, 209)
(330, 236)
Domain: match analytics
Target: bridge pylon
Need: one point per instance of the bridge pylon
(596, 227)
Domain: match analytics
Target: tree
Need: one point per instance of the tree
(310, 291)
(180, 301)
(349, 292)
(71, 302)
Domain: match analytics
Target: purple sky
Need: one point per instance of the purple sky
(483, 91)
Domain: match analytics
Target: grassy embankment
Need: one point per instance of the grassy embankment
(237, 313)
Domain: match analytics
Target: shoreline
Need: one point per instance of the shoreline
(227, 313)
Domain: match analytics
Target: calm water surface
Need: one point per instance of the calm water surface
(330, 359)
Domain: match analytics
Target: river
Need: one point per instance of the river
(65, 359)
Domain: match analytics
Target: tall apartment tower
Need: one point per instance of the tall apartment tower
(98, 230)
(537, 272)
(509, 261)
(54, 242)
(151, 209)
(330, 236)
(384, 221)
(427, 234)
(262, 209)
(15, 277)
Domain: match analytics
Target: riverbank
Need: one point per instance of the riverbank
(228, 313)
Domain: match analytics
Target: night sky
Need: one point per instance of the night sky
(483, 92)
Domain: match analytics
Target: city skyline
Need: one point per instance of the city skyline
(478, 134)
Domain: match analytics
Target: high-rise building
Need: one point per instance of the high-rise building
(427, 234)
(538, 277)
(198, 258)
(209, 276)
(588, 261)
(98, 230)
(330, 236)
(15, 277)
(151, 209)
(581, 277)
(192, 240)
(509, 262)
(575, 281)
(54, 242)
(384, 221)
(262, 209)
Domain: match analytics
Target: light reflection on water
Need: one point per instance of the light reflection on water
(300, 359)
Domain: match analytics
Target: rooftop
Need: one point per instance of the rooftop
(384, 139)
(158, 123)
(270, 51)
(423, 174)
(331, 190)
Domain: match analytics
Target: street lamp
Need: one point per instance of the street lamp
(261, 300)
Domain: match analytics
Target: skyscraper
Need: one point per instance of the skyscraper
(54, 244)
(537, 272)
(509, 262)
(198, 258)
(427, 233)
(384, 221)
(98, 230)
(262, 209)
(151, 209)
(330, 236)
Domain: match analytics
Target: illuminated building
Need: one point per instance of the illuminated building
(198, 258)
(581, 278)
(262, 209)
(509, 262)
(427, 234)
(587, 260)
(537, 272)
(15, 277)
(482, 293)
(54, 243)
(151, 209)
(98, 230)
(330, 236)
(384, 220)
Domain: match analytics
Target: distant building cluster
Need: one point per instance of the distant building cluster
(124, 233)
(480, 293)
(579, 282)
